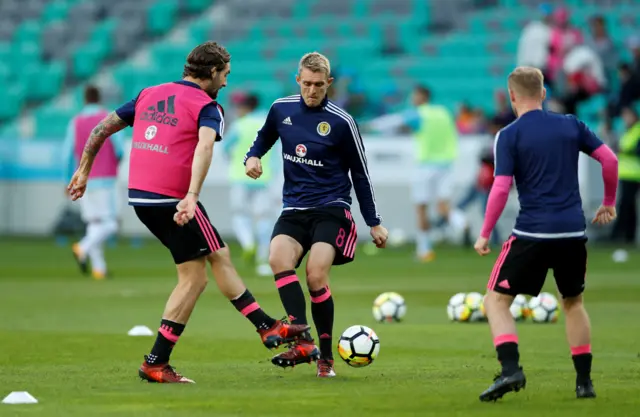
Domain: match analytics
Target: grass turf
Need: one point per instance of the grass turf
(63, 339)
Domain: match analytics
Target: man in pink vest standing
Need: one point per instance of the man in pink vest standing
(99, 207)
(175, 126)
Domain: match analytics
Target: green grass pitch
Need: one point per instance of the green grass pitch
(63, 338)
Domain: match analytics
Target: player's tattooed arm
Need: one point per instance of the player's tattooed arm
(107, 127)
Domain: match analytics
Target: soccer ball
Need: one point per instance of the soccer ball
(397, 237)
(520, 308)
(389, 307)
(457, 309)
(475, 302)
(544, 308)
(358, 346)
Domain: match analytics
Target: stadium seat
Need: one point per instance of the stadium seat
(161, 16)
(56, 11)
(49, 80)
(28, 32)
(199, 31)
(11, 104)
(51, 122)
(194, 6)
(103, 34)
(88, 58)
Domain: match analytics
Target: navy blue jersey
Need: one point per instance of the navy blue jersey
(320, 147)
(540, 150)
(211, 115)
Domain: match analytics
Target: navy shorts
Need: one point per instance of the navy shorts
(332, 225)
(195, 239)
(522, 266)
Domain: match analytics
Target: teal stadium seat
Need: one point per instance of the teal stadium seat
(88, 58)
(52, 122)
(161, 16)
(56, 11)
(199, 31)
(29, 31)
(48, 80)
(103, 34)
(11, 104)
(194, 6)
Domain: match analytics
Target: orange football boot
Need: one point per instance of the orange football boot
(283, 332)
(161, 373)
(325, 368)
(81, 258)
(302, 351)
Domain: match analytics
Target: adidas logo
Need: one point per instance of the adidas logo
(161, 111)
(287, 121)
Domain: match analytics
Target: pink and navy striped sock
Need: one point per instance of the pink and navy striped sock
(168, 335)
(249, 307)
(508, 354)
(582, 358)
(292, 296)
(322, 311)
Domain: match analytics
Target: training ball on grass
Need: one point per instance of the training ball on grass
(544, 308)
(520, 308)
(620, 256)
(457, 310)
(358, 346)
(389, 307)
(475, 303)
(397, 237)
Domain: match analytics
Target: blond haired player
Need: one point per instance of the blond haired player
(322, 154)
(540, 151)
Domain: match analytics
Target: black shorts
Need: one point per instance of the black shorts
(332, 225)
(193, 240)
(523, 264)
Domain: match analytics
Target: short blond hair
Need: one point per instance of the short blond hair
(315, 62)
(527, 82)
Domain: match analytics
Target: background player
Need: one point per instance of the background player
(99, 207)
(541, 149)
(175, 126)
(436, 150)
(251, 201)
(321, 145)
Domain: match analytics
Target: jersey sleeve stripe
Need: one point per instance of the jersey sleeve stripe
(332, 108)
(495, 152)
(221, 133)
(289, 99)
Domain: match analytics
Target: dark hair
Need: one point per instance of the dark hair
(625, 67)
(91, 94)
(423, 90)
(205, 57)
(251, 101)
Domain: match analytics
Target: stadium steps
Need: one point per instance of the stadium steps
(377, 40)
(63, 55)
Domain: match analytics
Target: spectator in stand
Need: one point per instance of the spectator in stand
(466, 120)
(564, 37)
(585, 77)
(603, 45)
(533, 45)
